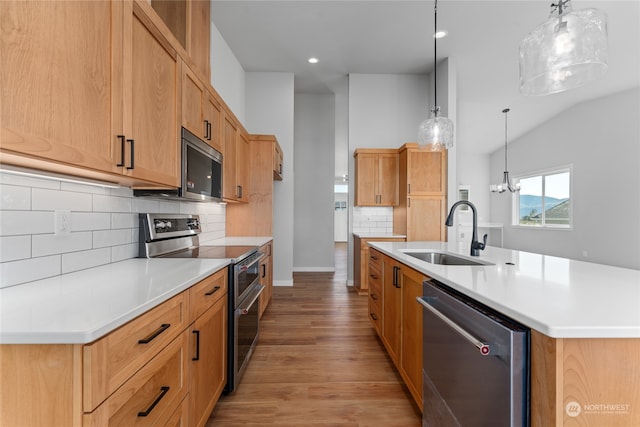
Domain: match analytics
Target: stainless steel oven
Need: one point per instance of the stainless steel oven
(176, 236)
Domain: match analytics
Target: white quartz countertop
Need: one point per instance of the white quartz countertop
(80, 307)
(558, 297)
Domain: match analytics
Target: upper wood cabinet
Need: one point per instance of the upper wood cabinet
(189, 22)
(58, 81)
(235, 162)
(200, 110)
(421, 212)
(89, 89)
(256, 217)
(376, 177)
(278, 161)
(150, 118)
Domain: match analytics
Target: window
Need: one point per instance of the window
(544, 200)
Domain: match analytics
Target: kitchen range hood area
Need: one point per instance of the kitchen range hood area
(156, 184)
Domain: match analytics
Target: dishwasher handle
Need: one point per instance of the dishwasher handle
(482, 347)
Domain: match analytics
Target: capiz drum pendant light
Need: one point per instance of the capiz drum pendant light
(565, 52)
(436, 131)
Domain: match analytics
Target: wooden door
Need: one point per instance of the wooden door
(193, 99)
(242, 167)
(426, 172)
(366, 179)
(387, 180)
(57, 83)
(150, 117)
(229, 163)
(411, 354)
(392, 308)
(208, 361)
(212, 112)
(425, 218)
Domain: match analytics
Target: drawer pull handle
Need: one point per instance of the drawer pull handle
(373, 316)
(197, 356)
(373, 257)
(373, 276)
(213, 291)
(374, 297)
(163, 391)
(157, 332)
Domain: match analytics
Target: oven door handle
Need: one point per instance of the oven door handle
(250, 299)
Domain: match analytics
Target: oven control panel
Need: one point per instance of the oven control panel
(165, 225)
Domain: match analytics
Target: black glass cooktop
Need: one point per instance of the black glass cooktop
(236, 253)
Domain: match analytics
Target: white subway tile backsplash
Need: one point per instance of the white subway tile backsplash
(13, 223)
(372, 220)
(16, 272)
(124, 220)
(89, 221)
(47, 200)
(122, 252)
(104, 226)
(86, 259)
(14, 197)
(108, 203)
(107, 238)
(50, 244)
(13, 248)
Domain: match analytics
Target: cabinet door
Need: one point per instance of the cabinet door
(199, 35)
(266, 277)
(387, 180)
(57, 85)
(425, 218)
(366, 179)
(229, 163)
(242, 167)
(150, 116)
(426, 172)
(392, 308)
(208, 361)
(193, 99)
(212, 113)
(411, 355)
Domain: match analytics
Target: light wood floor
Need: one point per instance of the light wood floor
(318, 363)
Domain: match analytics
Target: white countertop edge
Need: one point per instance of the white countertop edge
(238, 241)
(553, 331)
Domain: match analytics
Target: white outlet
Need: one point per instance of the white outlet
(62, 223)
(584, 253)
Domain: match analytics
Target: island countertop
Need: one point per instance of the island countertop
(559, 297)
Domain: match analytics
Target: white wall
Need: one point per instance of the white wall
(227, 75)
(314, 163)
(601, 139)
(384, 112)
(270, 110)
(104, 226)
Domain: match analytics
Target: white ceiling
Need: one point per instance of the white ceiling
(394, 37)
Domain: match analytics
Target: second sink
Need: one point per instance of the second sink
(444, 258)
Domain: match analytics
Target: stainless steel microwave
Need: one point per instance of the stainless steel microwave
(201, 173)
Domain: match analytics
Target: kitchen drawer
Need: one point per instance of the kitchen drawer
(375, 278)
(375, 259)
(151, 396)
(180, 417)
(205, 293)
(375, 312)
(113, 359)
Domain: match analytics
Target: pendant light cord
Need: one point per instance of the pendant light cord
(505, 111)
(435, 55)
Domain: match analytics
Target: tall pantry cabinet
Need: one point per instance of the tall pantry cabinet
(422, 209)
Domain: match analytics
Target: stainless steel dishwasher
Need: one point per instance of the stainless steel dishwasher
(475, 363)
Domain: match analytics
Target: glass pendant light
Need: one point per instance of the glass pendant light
(565, 52)
(436, 131)
(506, 181)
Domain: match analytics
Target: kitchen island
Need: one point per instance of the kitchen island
(584, 320)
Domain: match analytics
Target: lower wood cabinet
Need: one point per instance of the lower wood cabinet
(167, 367)
(397, 316)
(361, 260)
(266, 277)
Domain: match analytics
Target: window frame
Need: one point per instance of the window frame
(515, 199)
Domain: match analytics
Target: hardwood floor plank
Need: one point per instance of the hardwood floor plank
(318, 363)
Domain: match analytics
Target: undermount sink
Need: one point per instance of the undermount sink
(445, 258)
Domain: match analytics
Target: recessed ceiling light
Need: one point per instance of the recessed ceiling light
(313, 60)
(440, 34)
